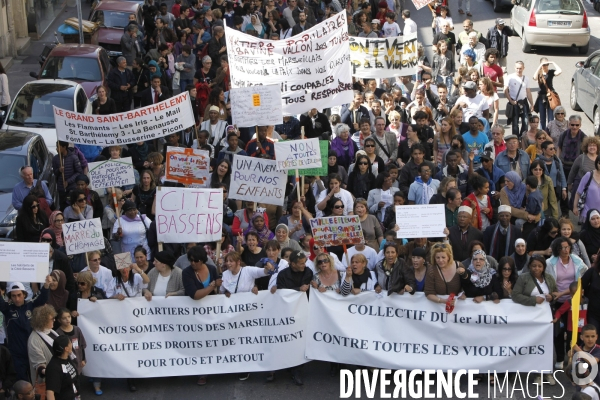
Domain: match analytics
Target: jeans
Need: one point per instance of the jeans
(467, 5)
(524, 115)
(447, 80)
(545, 112)
(183, 84)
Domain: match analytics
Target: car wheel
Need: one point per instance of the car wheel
(497, 5)
(597, 6)
(584, 49)
(573, 97)
(525, 46)
(597, 121)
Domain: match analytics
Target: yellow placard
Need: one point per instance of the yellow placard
(256, 100)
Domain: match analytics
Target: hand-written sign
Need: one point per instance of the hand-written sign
(336, 231)
(147, 123)
(312, 68)
(111, 173)
(385, 57)
(323, 170)
(255, 178)
(187, 165)
(23, 262)
(83, 236)
(298, 154)
(256, 105)
(123, 260)
(420, 3)
(189, 215)
(420, 221)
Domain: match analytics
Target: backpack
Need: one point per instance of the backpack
(202, 93)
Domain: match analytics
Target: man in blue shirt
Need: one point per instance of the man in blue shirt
(475, 140)
(22, 189)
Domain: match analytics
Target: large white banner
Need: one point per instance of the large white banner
(147, 123)
(385, 57)
(256, 178)
(312, 68)
(178, 336)
(411, 332)
(189, 215)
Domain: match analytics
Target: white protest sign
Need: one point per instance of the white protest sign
(24, 262)
(179, 336)
(420, 3)
(189, 215)
(83, 236)
(256, 105)
(298, 154)
(337, 231)
(142, 124)
(363, 330)
(111, 173)
(385, 57)
(312, 68)
(420, 221)
(256, 178)
(188, 166)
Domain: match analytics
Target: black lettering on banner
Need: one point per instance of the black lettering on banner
(383, 54)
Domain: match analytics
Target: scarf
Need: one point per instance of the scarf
(258, 27)
(481, 279)
(338, 146)
(428, 191)
(143, 151)
(589, 235)
(264, 234)
(496, 237)
(362, 279)
(286, 242)
(58, 298)
(57, 231)
(313, 255)
(158, 72)
(520, 260)
(517, 194)
(137, 217)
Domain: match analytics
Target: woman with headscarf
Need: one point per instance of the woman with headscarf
(57, 219)
(92, 197)
(242, 218)
(58, 295)
(590, 234)
(30, 220)
(520, 256)
(256, 26)
(513, 195)
(282, 235)
(133, 230)
(258, 226)
(480, 281)
(334, 168)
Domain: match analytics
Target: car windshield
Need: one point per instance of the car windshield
(111, 19)
(72, 68)
(559, 7)
(33, 105)
(10, 162)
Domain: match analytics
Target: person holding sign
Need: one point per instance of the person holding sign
(165, 279)
(393, 274)
(133, 230)
(30, 221)
(370, 225)
(101, 274)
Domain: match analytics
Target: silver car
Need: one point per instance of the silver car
(585, 89)
(556, 23)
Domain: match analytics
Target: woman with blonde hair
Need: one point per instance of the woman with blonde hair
(326, 277)
(156, 166)
(442, 278)
(358, 277)
(396, 126)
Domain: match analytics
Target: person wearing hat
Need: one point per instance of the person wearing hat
(497, 37)
(61, 373)
(463, 233)
(489, 171)
(499, 239)
(165, 279)
(216, 127)
(17, 314)
(513, 158)
(130, 233)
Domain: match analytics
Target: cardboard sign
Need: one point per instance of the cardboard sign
(298, 154)
(256, 178)
(188, 166)
(139, 125)
(384, 57)
(111, 173)
(24, 262)
(256, 105)
(336, 231)
(189, 215)
(323, 170)
(83, 236)
(123, 260)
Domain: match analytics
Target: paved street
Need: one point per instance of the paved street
(318, 383)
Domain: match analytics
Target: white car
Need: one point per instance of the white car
(31, 109)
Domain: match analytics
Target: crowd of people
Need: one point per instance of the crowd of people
(429, 138)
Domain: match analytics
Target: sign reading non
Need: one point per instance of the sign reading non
(323, 170)
(256, 105)
(298, 154)
(111, 173)
(256, 178)
(83, 236)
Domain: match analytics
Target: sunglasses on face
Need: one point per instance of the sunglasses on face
(338, 206)
(322, 261)
(44, 240)
(34, 206)
(363, 163)
(81, 200)
(574, 124)
(94, 259)
(369, 145)
(507, 269)
(81, 283)
(559, 113)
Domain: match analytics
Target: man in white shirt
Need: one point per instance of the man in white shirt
(475, 45)
(519, 95)
(367, 251)
(287, 13)
(471, 103)
(410, 26)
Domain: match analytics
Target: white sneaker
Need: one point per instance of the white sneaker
(550, 379)
(558, 365)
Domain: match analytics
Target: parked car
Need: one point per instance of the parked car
(86, 64)
(31, 109)
(17, 149)
(555, 23)
(501, 5)
(585, 89)
(113, 17)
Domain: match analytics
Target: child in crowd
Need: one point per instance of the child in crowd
(534, 202)
(391, 28)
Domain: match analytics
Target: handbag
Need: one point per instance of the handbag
(552, 96)
(510, 108)
(583, 196)
(176, 78)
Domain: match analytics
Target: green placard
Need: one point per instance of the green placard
(324, 146)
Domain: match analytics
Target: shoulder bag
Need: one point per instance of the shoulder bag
(510, 108)
(553, 98)
(583, 196)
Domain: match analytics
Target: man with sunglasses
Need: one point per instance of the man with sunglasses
(554, 169)
(23, 188)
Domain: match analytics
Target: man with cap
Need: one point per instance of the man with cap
(472, 103)
(453, 200)
(497, 37)
(216, 127)
(17, 314)
(489, 171)
(513, 158)
(475, 45)
(454, 170)
(499, 239)
(462, 234)
(475, 142)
